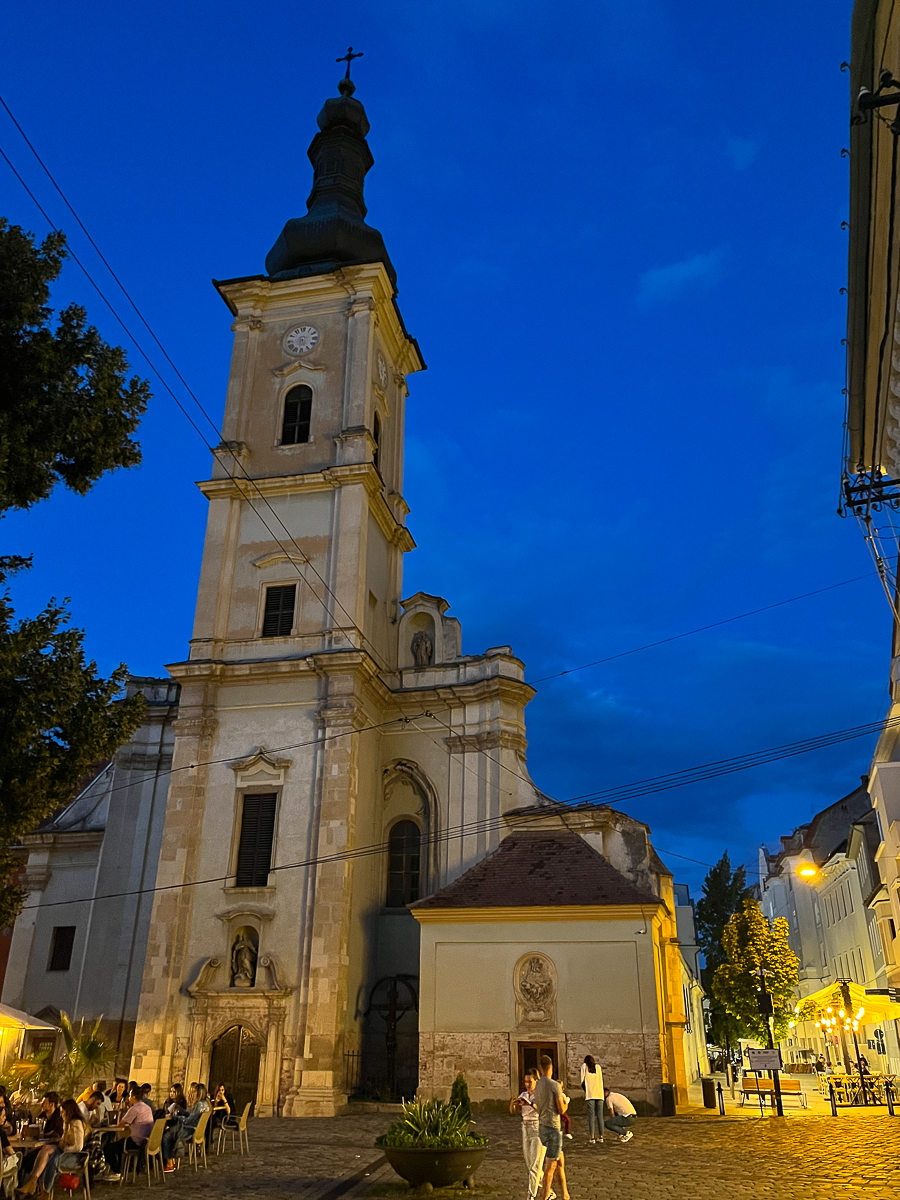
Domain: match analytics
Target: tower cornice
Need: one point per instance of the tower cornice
(256, 300)
(233, 488)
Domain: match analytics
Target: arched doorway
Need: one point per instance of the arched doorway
(235, 1061)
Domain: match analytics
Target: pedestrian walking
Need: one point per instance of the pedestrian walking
(592, 1082)
(551, 1104)
(532, 1147)
(622, 1114)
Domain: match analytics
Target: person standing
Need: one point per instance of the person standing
(592, 1082)
(551, 1104)
(623, 1114)
(532, 1148)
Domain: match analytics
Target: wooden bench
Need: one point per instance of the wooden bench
(790, 1090)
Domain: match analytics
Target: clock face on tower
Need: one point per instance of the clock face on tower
(301, 340)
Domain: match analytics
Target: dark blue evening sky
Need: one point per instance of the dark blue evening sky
(617, 228)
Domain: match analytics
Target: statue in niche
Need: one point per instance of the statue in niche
(244, 953)
(536, 991)
(422, 649)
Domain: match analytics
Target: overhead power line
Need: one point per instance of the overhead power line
(216, 451)
(701, 628)
(574, 805)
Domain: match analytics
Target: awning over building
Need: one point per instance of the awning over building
(12, 1018)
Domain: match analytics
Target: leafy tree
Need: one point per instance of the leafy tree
(751, 943)
(724, 890)
(66, 415)
(58, 717)
(66, 409)
(85, 1058)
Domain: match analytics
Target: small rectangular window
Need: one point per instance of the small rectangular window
(278, 618)
(254, 858)
(297, 416)
(61, 943)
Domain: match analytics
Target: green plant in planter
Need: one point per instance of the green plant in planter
(431, 1124)
(459, 1095)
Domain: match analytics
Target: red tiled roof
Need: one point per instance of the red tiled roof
(538, 868)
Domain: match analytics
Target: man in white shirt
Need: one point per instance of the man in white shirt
(93, 1109)
(622, 1115)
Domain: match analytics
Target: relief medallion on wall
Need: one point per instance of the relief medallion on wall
(535, 986)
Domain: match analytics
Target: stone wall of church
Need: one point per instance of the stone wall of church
(631, 1062)
(482, 1057)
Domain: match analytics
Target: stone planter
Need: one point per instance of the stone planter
(434, 1166)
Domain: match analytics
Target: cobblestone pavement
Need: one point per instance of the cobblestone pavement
(740, 1157)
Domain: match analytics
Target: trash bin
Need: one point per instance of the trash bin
(709, 1093)
(667, 1098)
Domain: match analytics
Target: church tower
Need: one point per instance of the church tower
(331, 735)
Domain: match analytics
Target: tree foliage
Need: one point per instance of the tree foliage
(749, 943)
(66, 408)
(58, 716)
(67, 411)
(724, 891)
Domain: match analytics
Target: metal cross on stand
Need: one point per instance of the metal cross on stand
(386, 1000)
(348, 59)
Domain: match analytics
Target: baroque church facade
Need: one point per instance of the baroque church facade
(356, 876)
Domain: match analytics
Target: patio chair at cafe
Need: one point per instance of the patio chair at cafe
(197, 1144)
(235, 1125)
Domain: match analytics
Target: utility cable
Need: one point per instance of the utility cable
(486, 824)
(701, 629)
(213, 450)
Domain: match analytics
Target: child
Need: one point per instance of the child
(566, 1123)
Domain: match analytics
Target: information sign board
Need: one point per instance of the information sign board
(764, 1060)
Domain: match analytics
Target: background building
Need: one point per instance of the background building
(72, 949)
(824, 882)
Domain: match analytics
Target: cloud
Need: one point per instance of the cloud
(741, 151)
(665, 283)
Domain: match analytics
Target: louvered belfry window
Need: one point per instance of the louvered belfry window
(297, 414)
(404, 850)
(255, 847)
(278, 617)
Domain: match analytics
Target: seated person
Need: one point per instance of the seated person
(182, 1129)
(622, 1114)
(222, 1106)
(93, 1110)
(139, 1119)
(176, 1105)
(65, 1153)
(51, 1121)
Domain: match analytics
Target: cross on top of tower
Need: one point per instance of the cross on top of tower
(348, 59)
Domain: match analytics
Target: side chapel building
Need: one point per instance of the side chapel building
(358, 877)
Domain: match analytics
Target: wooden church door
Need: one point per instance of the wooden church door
(235, 1062)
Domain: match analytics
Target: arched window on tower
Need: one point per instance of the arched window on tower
(376, 434)
(297, 413)
(404, 848)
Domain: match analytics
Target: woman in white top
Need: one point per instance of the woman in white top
(532, 1147)
(67, 1154)
(592, 1082)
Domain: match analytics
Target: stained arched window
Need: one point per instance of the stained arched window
(297, 414)
(376, 434)
(404, 848)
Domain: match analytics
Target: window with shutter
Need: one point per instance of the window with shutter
(254, 858)
(278, 616)
(403, 864)
(297, 414)
(61, 942)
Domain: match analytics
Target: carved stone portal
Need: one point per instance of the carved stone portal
(422, 649)
(535, 984)
(244, 953)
